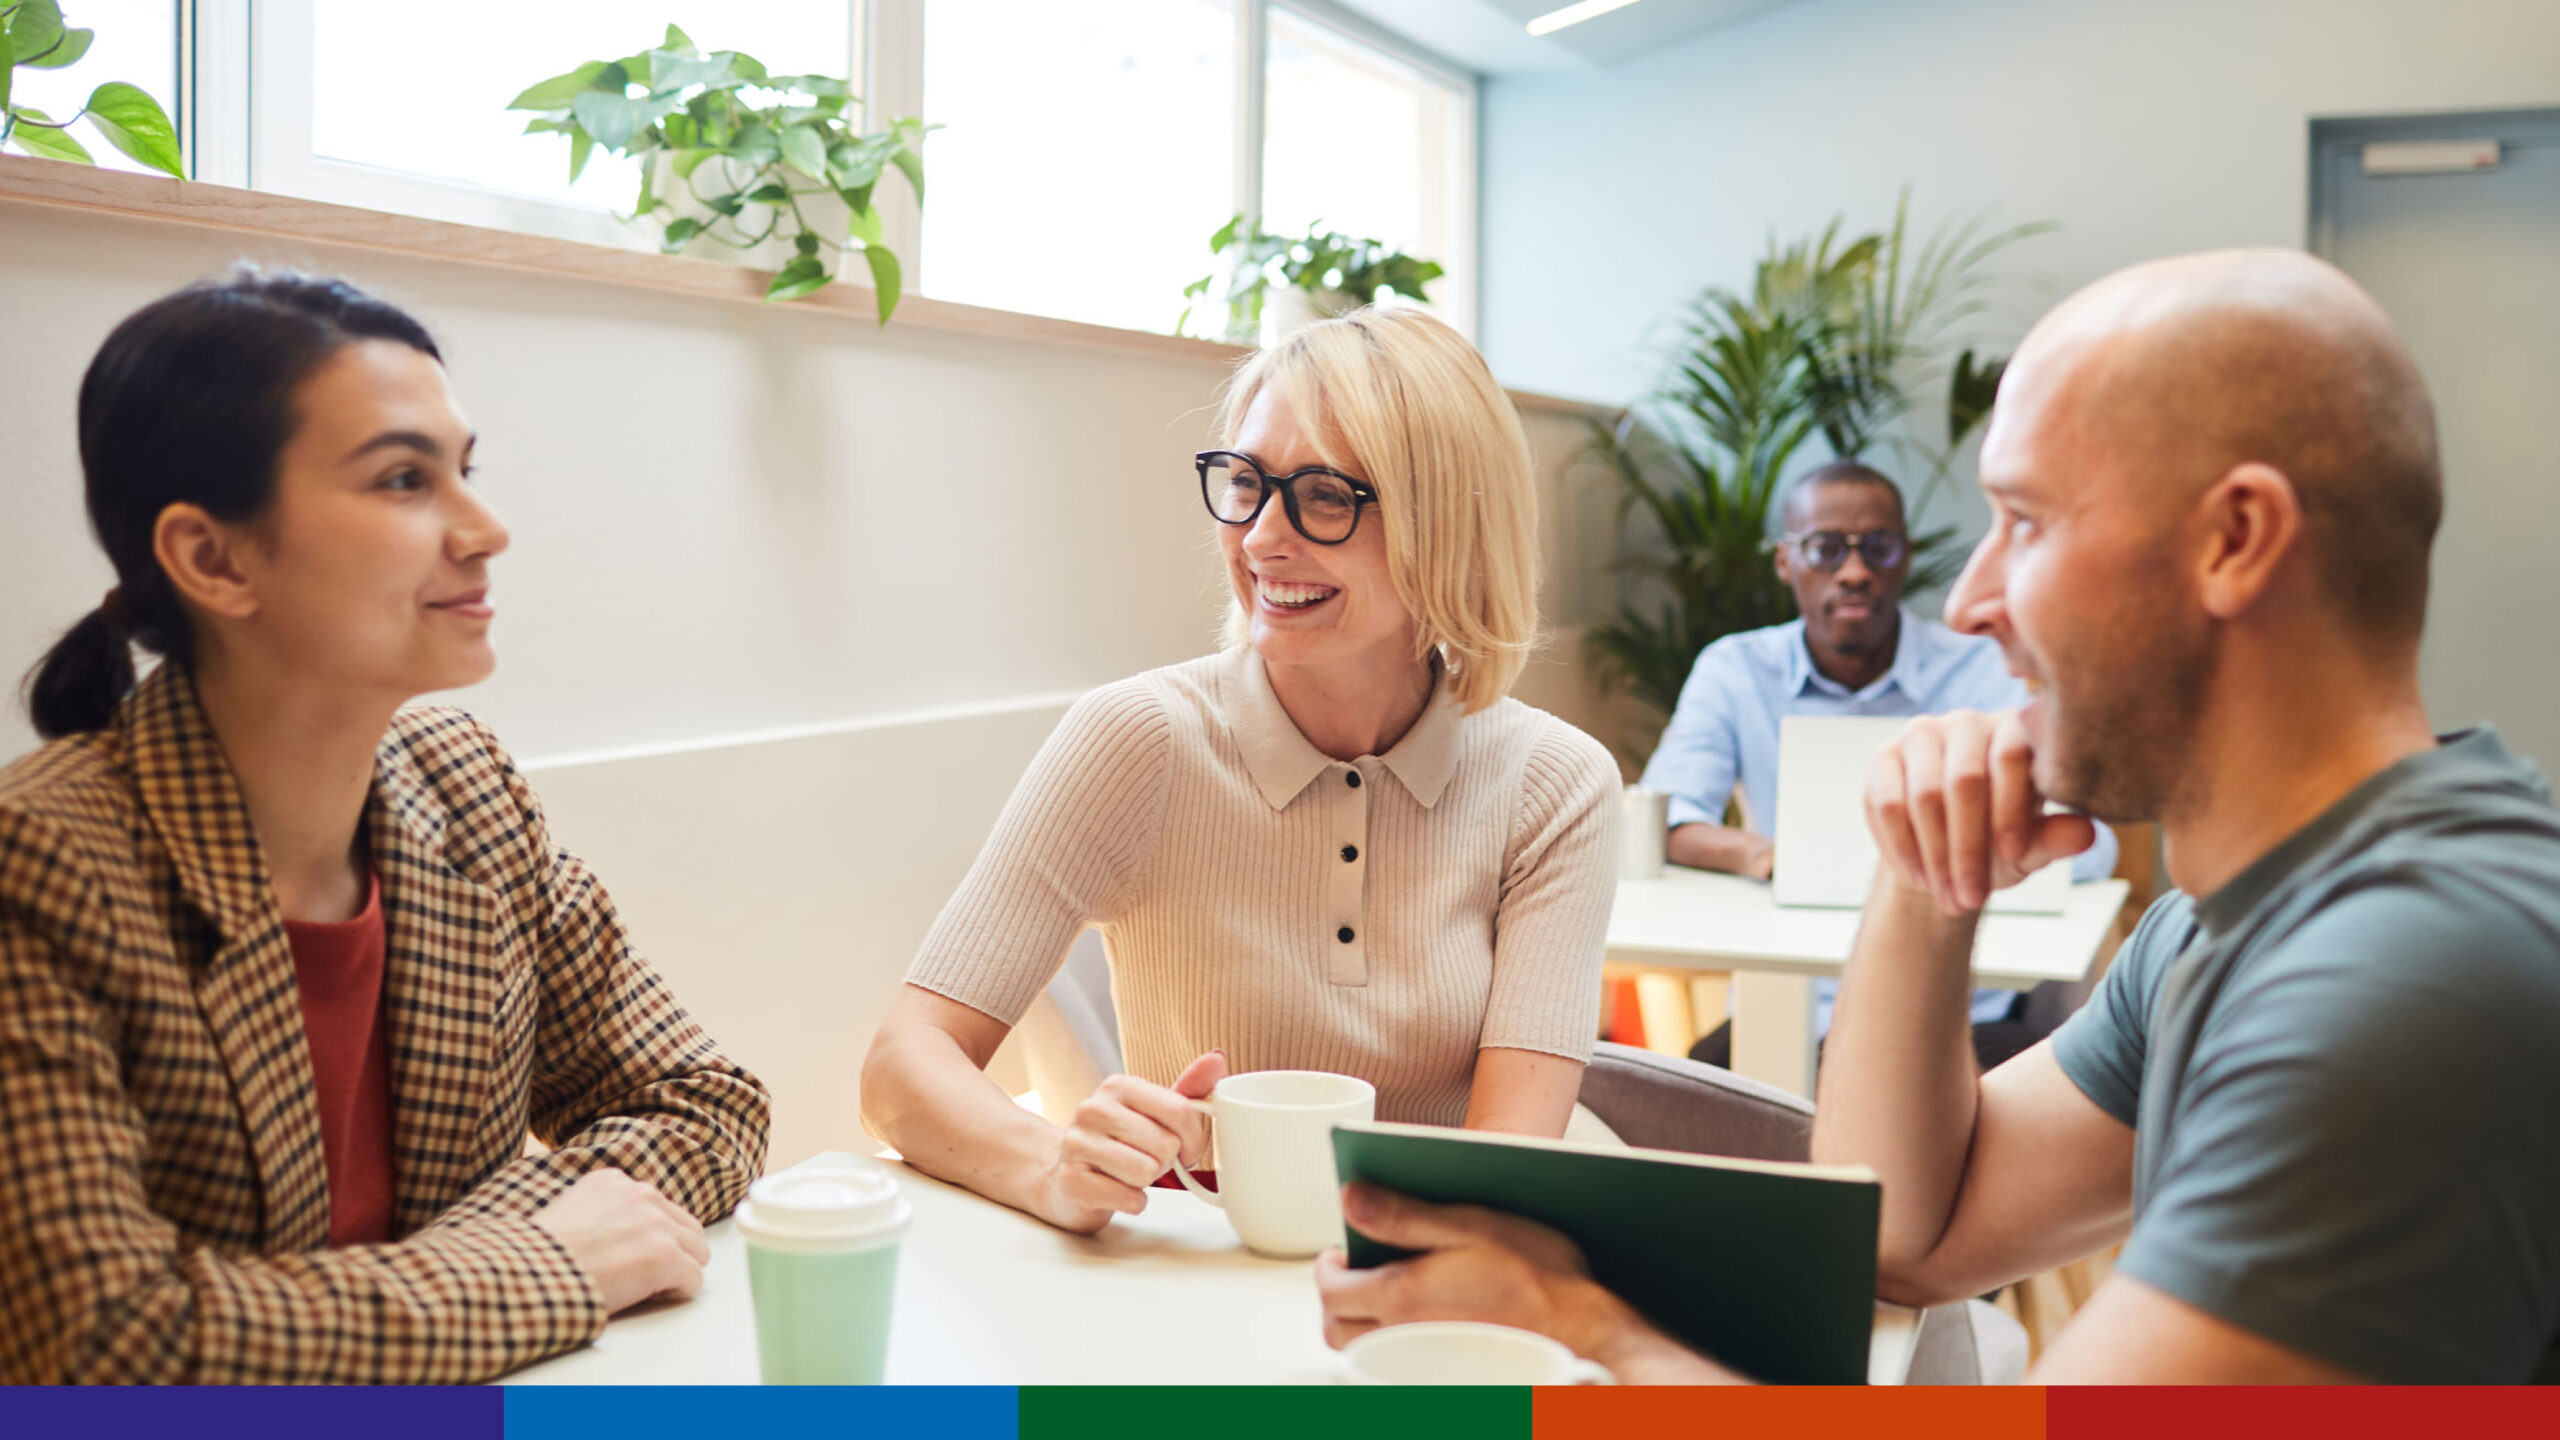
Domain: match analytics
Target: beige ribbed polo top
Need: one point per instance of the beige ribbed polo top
(1385, 917)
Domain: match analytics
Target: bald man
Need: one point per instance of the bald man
(2315, 1101)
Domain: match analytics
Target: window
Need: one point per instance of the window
(395, 114)
(1092, 149)
(431, 99)
(1087, 149)
(1373, 146)
(137, 43)
(1089, 153)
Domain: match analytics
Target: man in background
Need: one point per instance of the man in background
(1846, 552)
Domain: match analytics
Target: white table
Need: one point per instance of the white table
(1699, 920)
(990, 1296)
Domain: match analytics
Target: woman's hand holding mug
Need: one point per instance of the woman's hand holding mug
(1123, 1136)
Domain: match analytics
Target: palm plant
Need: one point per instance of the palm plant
(1905, 321)
(1835, 337)
(1738, 407)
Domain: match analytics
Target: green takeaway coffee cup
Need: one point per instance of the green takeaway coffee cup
(822, 1262)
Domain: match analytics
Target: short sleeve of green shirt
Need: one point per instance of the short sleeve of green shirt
(2360, 1162)
(2101, 1047)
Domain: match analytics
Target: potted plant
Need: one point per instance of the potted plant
(1268, 285)
(1835, 341)
(32, 36)
(768, 165)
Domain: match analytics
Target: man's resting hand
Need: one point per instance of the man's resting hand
(1956, 813)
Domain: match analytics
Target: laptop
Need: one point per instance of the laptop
(1826, 858)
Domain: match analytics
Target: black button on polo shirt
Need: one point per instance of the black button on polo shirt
(1343, 934)
(1350, 853)
(1351, 778)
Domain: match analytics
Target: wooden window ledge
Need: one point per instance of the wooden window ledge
(254, 212)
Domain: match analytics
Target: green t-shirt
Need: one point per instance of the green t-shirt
(2343, 1074)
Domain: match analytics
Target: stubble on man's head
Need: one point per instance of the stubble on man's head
(2157, 382)
(2196, 365)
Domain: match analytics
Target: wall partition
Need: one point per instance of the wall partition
(792, 598)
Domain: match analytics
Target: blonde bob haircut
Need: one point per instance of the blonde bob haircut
(1400, 400)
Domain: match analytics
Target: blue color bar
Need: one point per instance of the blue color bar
(953, 1412)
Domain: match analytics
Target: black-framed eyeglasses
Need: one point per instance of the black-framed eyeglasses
(1323, 504)
(1829, 549)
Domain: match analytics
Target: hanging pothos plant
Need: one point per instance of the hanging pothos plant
(33, 37)
(736, 156)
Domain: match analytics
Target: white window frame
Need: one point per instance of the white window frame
(212, 114)
(241, 127)
(888, 64)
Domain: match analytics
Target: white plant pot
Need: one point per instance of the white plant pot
(824, 210)
(1286, 310)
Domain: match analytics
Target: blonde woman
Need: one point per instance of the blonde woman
(1334, 845)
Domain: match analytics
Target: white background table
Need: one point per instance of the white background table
(990, 1296)
(1698, 920)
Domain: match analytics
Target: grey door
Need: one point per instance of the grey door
(2468, 264)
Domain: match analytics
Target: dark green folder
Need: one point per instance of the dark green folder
(1769, 1268)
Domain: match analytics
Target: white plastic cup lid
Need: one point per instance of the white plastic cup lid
(822, 1204)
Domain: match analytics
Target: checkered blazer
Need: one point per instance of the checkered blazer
(163, 1202)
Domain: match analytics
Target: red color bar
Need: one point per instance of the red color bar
(2332, 1413)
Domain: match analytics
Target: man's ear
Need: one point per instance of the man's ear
(1782, 557)
(2249, 521)
(202, 558)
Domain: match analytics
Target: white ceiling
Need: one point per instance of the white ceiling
(1492, 36)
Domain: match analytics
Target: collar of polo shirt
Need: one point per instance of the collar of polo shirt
(1281, 761)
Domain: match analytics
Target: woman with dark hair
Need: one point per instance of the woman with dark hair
(290, 969)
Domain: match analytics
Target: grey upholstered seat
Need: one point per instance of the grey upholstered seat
(1070, 1037)
(1663, 1102)
(1082, 989)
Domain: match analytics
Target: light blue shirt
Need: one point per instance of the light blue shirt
(1726, 729)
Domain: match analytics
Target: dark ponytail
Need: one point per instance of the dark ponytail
(190, 401)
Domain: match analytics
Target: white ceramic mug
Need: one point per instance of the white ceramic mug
(1465, 1352)
(1274, 1138)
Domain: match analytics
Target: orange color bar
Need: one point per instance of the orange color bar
(1809, 1413)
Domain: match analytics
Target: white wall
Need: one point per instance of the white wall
(2146, 127)
(903, 550)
